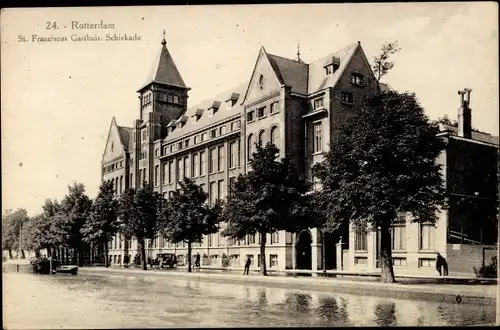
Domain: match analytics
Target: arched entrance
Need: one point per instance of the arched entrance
(303, 249)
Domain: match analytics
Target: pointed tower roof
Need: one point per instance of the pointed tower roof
(164, 70)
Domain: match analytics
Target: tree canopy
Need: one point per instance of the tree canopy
(270, 197)
(384, 162)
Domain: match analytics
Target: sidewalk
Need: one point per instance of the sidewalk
(470, 294)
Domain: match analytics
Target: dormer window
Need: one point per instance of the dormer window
(357, 79)
(318, 103)
(329, 69)
(213, 109)
(231, 101)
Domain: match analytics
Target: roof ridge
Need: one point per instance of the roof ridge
(289, 59)
(338, 51)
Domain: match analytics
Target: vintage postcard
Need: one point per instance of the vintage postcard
(250, 165)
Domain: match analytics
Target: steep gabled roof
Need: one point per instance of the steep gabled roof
(290, 72)
(317, 79)
(164, 70)
(126, 136)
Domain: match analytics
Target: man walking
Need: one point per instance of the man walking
(247, 266)
(441, 265)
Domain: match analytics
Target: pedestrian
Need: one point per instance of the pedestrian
(197, 260)
(247, 266)
(441, 265)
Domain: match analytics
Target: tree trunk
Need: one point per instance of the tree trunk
(126, 259)
(142, 249)
(385, 254)
(189, 256)
(10, 254)
(75, 258)
(106, 258)
(263, 237)
(37, 253)
(23, 256)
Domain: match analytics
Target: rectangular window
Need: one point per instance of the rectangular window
(426, 237)
(426, 262)
(251, 239)
(318, 137)
(273, 260)
(203, 161)
(170, 98)
(165, 173)
(274, 107)
(156, 153)
(195, 139)
(318, 104)
(250, 116)
(186, 166)
(213, 192)
(399, 237)
(195, 165)
(180, 169)
(360, 243)
(179, 146)
(213, 133)
(222, 130)
(328, 70)
(232, 180)
(233, 149)
(274, 237)
(220, 190)
(220, 165)
(213, 160)
(346, 97)
(361, 260)
(186, 143)
(176, 99)
(203, 136)
(143, 135)
(261, 112)
(157, 169)
(357, 79)
(171, 172)
(401, 262)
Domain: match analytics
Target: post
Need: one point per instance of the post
(323, 252)
(498, 242)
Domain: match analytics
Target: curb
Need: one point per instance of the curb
(395, 290)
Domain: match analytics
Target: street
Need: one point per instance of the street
(141, 301)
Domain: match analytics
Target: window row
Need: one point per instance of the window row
(112, 167)
(262, 111)
(261, 139)
(118, 184)
(213, 133)
(399, 239)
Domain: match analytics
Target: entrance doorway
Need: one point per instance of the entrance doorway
(303, 248)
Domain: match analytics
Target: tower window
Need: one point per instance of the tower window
(357, 79)
(346, 97)
(318, 104)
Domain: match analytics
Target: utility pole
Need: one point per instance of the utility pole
(498, 240)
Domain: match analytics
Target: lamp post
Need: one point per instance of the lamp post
(498, 240)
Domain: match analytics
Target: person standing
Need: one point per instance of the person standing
(197, 261)
(441, 265)
(247, 266)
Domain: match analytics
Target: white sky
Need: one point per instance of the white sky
(58, 98)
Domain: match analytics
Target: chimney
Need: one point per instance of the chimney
(464, 114)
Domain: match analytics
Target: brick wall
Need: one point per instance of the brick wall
(463, 257)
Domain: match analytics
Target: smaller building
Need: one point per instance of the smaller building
(465, 234)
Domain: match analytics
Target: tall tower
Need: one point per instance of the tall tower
(162, 98)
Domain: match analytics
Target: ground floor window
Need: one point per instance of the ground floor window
(399, 237)
(360, 260)
(399, 262)
(426, 262)
(273, 260)
(114, 259)
(234, 260)
(251, 259)
(426, 236)
(360, 243)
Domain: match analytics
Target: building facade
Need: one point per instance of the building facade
(299, 107)
(295, 105)
(465, 233)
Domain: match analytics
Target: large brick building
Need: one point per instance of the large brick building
(298, 107)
